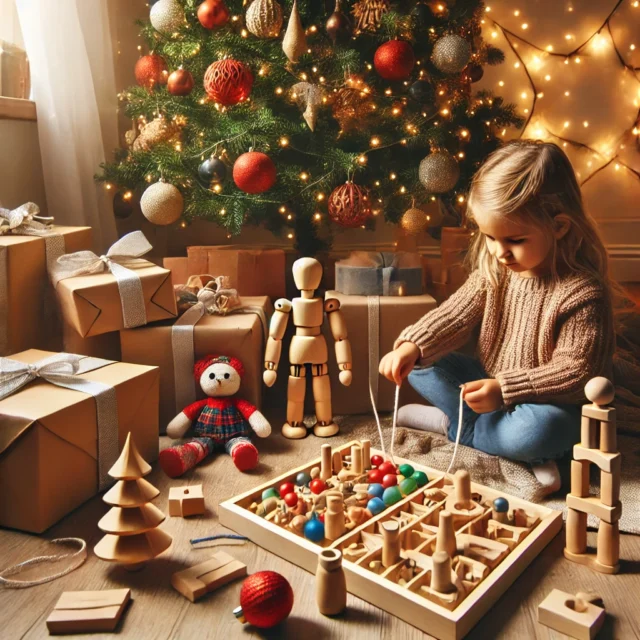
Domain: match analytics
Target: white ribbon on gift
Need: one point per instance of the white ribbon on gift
(63, 370)
(125, 253)
(211, 300)
(23, 221)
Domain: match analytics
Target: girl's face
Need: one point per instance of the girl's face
(523, 248)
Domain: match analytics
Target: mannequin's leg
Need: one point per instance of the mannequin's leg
(325, 426)
(294, 427)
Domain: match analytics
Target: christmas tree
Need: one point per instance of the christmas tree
(300, 115)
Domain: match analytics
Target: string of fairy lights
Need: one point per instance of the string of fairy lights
(596, 43)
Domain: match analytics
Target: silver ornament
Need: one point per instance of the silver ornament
(167, 16)
(451, 54)
(439, 172)
(264, 18)
(162, 203)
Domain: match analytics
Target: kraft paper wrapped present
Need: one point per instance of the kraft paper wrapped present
(373, 324)
(253, 272)
(205, 329)
(371, 273)
(64, 419)
(28, 242)
(119, 290)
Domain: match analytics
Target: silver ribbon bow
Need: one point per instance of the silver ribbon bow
(63, 370)
(24, 221)
(125, 253)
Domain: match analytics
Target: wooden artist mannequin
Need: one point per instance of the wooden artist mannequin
(308, 347)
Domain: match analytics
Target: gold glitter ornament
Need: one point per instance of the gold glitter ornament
(167, 16)
(309, 96)
(414, 221)
(154, 132)
(451, 54)
(162, 203)
(264, 18)
(294, 43)
(351, 105)
(439, 172)
(368, 14)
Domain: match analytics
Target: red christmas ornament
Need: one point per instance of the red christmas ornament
(394, 60)
(317, 486)
(390, 480)
(180, 82)
(375, 476)
(291, 500)
(387, 467)
(266, 598)
(349, 205)
(254, 172)
(285, 488)
(213, 14)
(228, 82)
(151, 70)
(376, 460)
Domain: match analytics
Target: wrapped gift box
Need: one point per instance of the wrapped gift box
(239, 335)
(27, 313)
(253, 272)
(367, 316)
(49, 440)
(15, 76)
(91, 303)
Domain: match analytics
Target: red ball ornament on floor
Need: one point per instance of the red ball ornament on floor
(349, 205)
(151, 70)
(376, 460)
(213, 14)
(254, 172)
(266, 598)
(228, 82)
(285, 488)
(394, 60)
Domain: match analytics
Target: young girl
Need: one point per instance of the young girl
(540, 293)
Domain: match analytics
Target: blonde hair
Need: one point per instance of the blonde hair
(533, 181)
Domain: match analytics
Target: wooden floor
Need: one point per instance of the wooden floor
(157, 611)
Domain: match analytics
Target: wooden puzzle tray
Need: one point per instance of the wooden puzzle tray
(489, 554)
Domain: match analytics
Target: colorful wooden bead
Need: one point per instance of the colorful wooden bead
(420, 477)
(303, 479)
(406, 470)
(291, 499)
(375, 476)
(389, 480)
(285, 488)
(501, 505)
(375, 490)
(407, 486)
(270, 493)
(376, 505)
(391, 496)
(387, 467)
(317, 486)
(376, 460)
(314, 529)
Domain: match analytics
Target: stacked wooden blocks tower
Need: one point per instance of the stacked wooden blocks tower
(597, 446)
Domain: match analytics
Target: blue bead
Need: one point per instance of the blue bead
(303, 479)
(376, 506)
(314, 530)
(376, 490)
(501, 505)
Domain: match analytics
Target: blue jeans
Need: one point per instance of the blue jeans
(526, 432)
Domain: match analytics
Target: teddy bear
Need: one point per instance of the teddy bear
(220, 422)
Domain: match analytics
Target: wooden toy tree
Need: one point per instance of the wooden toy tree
(597, 446)
(132, 537)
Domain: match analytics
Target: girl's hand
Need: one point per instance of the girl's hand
(483, 396)
(397, 364)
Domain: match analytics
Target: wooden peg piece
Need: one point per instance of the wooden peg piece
(441, 573)
(366, 454)
(334, 522)
(446, 537)
(462, 485)
(570, 615)
(337, 462)
(390, 542)
(356, 459)
(325, 462)
(186, 501)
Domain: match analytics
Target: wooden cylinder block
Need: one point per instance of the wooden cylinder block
(356, 459)
(441, 575)
(278, 324)
(307, 313)
(580, 478)
(337, 462)
(366, 454)
(589, 433)
(609, 488)
(273, 351)
(608, 437)
(446, 538)
(576, 531)
(462, 485)
(338, 325)
(325, 462)
(334, 523)
(343, 352)
(390, 542)
(608, 551)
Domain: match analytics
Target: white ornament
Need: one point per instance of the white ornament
(167, 16)
(264, 18)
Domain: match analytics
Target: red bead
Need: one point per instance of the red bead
(317, 486)
(266, 599)
(291, 499)
(321, 517)
(394, 60)
(390, 480)
(376, 460)
(213, 13)
(375, 476)
(285, 488)
(387, 467)
(254, 172)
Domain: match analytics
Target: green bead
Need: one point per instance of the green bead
(421, 478)
(391, 495)
(406, 470)
(270, 493)
(408, 486)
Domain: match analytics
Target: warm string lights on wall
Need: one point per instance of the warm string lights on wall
(535, 63)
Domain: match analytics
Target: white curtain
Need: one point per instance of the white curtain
(69, 46)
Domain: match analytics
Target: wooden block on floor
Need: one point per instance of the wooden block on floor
(88, 611)
(208, 576)
(580, 478)
(558, 611)
(596, 507)
(186, 501)
(604, 414)
(609, 488)
(609, 462)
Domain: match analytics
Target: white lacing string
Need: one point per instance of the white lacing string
(377, 417)
(455, 449)
(79, 557)
(395, 422)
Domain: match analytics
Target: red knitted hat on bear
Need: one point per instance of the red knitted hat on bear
(207, 361)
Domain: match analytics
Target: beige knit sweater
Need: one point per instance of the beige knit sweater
(541, 341)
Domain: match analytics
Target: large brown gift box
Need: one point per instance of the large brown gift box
(49, 440)
(253, 272)
(239, 335)
(390, 314)
(91, 303)
(29, 311)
